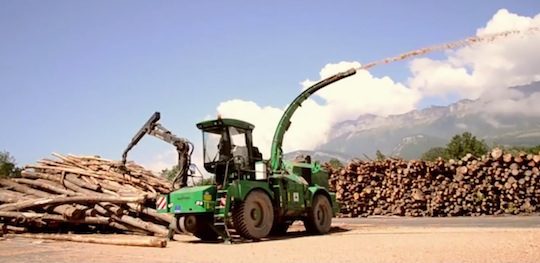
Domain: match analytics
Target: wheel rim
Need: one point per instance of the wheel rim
(256, 215)
(321, 215)
(187, 224)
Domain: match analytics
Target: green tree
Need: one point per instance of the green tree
(534, 149)
(434, 153)
(173, 171)
(465, 143)
(518, 149)
(8, 167)
(335, 163)
(380, 156)
(205, 181)
(169, 174)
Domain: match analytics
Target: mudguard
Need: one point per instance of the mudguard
(315, 190)
(240, 189)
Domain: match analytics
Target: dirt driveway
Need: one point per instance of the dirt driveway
(348, 243)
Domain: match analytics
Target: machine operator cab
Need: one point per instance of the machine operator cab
(228, 148)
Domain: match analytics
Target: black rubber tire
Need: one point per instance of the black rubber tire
(203, 228)
(279, 229)
(319, 218)
(187, 224)
(253, 218)
(206, 234)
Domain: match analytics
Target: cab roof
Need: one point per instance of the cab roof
(225, 122)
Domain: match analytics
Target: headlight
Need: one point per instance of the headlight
(199, 203)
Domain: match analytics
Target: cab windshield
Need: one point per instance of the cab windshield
(221, 144)
(211, 142)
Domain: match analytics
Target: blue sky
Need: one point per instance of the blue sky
(82, 76)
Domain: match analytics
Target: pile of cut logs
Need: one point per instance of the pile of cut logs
(83, 194)
(497, 183)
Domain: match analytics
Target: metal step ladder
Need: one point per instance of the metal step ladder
(222, 218)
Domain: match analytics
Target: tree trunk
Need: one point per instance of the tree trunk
(121, 241)
(68, 200)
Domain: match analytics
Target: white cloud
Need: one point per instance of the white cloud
(265, 120)
(161, 161)
(503, 20)
(343, 100)
(485, 70)
(518, 104)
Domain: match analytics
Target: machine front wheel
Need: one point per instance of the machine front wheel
(280, 229)
(206, 234)
(253, 217)
(319, 218)
(198, 225)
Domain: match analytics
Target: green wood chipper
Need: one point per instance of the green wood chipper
(251, 198)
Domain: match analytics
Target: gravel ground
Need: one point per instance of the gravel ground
(347, 243)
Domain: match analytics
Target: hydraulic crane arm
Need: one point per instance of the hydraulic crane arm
(183, 146)
(143, 131)
(276, 158)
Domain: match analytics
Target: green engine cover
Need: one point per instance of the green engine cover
(195, 199)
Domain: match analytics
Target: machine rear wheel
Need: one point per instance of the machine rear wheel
(319, 219)
(253, 217)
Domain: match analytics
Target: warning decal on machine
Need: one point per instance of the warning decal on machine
(161, 202)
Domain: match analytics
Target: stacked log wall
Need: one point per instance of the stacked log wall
(494, 184)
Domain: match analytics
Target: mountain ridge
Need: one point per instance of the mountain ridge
(410, 134)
